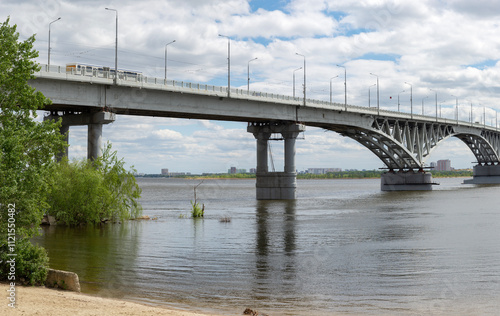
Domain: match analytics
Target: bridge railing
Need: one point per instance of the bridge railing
(138, 79)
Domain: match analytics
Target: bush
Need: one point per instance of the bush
(197, 210)
(78, 193)
(31, 263)
(90, 192)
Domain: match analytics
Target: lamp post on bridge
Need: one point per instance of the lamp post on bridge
(294, 81)
(228, 64)
(166, 59)
(378, 94)
(304, 76)
(471, 111)
(116, 45)
(456, 106)
(398, 99)
(331, 88)
(436, 94)
(411, 98)
(345, 85)
(369, 94)
(248, 73)
(423, 104)
(484, 115)
(48, 62)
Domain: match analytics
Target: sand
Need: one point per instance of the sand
(45, 301)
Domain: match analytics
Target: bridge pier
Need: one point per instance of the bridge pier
(485, 174)
(406, 181)
(275, 185)
(94, 121)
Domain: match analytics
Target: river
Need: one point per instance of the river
(343, 247)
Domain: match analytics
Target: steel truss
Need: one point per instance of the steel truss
(404, 144)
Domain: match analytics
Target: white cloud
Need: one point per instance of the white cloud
(169, 135)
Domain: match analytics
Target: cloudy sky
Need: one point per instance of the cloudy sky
(449, 46)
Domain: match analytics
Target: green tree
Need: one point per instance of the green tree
(27, 147)
(87, 192)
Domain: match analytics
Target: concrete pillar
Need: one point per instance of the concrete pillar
(94, 142)
(262, 154)
(276, 185)
(93, 120)
(406, 181)
(487, 174)
(290, 138)
(64, 130)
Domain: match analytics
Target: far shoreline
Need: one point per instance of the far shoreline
(343, 175)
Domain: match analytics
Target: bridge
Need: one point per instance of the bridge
(402, 141)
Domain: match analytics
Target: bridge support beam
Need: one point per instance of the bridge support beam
(94, 121)
(276, 185)
(485, 174)
(406, 181)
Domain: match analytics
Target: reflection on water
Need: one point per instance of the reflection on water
(102, 255)
(343, 247)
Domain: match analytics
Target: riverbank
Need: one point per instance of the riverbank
(355, 175)
(45, 301)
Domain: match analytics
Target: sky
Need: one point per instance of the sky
(446, 47)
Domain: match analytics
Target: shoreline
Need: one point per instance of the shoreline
(39, 300)
(298, 178)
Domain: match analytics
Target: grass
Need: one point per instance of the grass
(197, 211)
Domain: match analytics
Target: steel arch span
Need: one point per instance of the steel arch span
(405, 144)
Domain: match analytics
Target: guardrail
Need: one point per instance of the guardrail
(139, 80)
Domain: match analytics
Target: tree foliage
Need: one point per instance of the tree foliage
(27, 149)
(91, 191)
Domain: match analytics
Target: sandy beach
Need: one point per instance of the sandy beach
(45, 301)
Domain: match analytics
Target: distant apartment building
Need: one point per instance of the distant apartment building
(323, 170)
(443, 165)
(165, 172)
(175, 174)
(234, 170)
(253, 170)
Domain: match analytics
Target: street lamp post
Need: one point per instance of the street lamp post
(304, 77)
(423, 104)
(436, 94)
(345, 86)
(331, 88)
(471, 113)
(48, 62)
(294, 81)
(248, 74)
(484, 116)
(456, 106)
(228, 65)
(166, 59)
(398, 99)
(116, 45)
(369, 94)
(411, 98)
(378, 94)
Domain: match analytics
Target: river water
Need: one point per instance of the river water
(342, 248)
